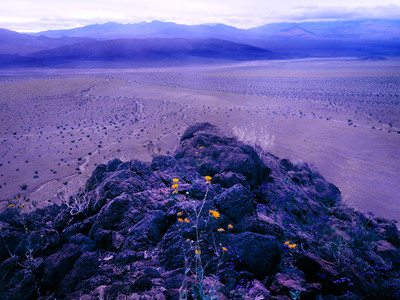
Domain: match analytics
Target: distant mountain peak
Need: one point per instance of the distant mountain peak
(297, 31)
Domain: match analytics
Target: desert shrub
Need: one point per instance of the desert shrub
(258, 137)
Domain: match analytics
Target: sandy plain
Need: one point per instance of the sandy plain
(341, 115)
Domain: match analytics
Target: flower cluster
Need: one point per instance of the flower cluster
(175, 185)
(289, 245)
(208, 179)
(180, 219)
(214, 213)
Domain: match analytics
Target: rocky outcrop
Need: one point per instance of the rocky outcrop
(261, 228)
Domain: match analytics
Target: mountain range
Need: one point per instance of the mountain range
(156, 42)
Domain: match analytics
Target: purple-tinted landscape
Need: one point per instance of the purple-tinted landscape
(157, 160)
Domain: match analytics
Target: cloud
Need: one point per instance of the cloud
(344, 13)
(28, 15)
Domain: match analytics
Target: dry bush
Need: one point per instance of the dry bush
(75, 201)
(255, 136)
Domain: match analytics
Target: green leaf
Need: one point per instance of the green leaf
(294, 295)
(212, 291)
(200, 273)
(198, 291)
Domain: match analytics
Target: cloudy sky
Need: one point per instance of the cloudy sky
(37, 15)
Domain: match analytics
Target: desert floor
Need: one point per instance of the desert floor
(341, 115)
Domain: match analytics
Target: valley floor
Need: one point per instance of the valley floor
(341, 115)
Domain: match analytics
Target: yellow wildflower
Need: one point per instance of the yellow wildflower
(223, 248)
(26, 228)
(221, 229)
(174, 192)
(175, 180)
(197, 152)
(287, 243)
(11, 205)
(187, 240)
(180, 213)
(198, 251)
(180, 220)
(201, 147)
(215, 214)
(186, 220)
(174, 186)
(208, 178)
(230, 226)
(292, 246)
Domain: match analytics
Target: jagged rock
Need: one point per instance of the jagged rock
(258, 291)
(387, 251)
(83, 268)
(143, 283)
(287, 284)
(24, 286)
(84, 242)
(56, 266)
(220, 154)
(43, 241)
(138, 240)
(12, 241)
(12, 217)
(237, 203)
(326, 192)
(253, 252)
(96, 177)
(229, 179)
(318, 270)
(148, 231)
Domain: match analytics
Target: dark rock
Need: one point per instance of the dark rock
(163, 163)
(109, 218)
(85, 243)
(326, 192)
(286, 164)
(392, 234)
(43, 242)
(12, 216)
(56, 266)
(258, 291)
(343, 212)
(11, 241)
(287, 284)
(143, 283)
(24, 287)
(84, 267)
(318, 270)
(220, 154)
(112, 165)
(136, 243)
(200, 127)
(256, 253)
(387, 251)
(229, 179)
(148, 231)
(96, 177)
(173, 279)
(237, 203)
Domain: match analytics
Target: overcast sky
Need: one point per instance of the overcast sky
(37, 15)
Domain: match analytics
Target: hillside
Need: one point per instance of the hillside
(165, 43)
(217, 217)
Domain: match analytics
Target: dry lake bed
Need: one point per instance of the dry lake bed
(340, 115)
